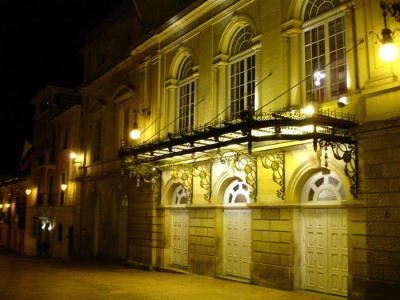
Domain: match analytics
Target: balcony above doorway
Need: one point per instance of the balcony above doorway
(326, 129)
(248, 130)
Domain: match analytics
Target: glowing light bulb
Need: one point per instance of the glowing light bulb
(388, 52)
(135, 134)
(308, 110)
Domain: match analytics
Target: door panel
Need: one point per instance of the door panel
(237, 242)
(180, 222)
(325, 250)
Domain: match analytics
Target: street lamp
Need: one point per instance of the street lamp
(388, 51)
(135, 132)
(64, 186)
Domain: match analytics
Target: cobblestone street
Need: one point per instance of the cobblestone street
(43, 278)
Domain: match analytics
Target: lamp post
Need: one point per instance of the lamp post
(135, 132)
(388, 51)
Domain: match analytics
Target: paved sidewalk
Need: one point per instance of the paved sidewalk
(32, 278)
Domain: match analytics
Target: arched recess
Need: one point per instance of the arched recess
(295, 9)
(221, 184)
(122, 93)
(237, 21)
(299, 8)
(182, 53)
(181, 91)
(305, 171)
(238, 68)
(168, 190)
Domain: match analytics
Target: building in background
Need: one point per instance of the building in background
(268, 152)
(14, 192)
(50, 206)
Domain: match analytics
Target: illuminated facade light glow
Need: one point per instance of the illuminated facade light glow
(388, 52)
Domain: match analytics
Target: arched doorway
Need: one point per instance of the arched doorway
(237, 230)
(179, 227)
(325, 244)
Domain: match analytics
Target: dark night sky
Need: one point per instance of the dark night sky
(40, 42)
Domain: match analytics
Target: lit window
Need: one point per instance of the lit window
(237, 192)
(242, 72)
(186, 87)
(179, 196)
(324, 51)
(324, 187)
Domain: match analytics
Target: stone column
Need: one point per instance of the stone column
(220, 67)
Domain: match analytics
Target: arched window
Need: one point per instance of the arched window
(237, 193)
(186, 94)
(323, 187)
(179, 197)
(242, 71)
(324, 50)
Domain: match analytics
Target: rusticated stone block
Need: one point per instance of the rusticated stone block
(391, 170)
(270, 214)
(381, 290)
(382, 155)
(381, 214)
(394, 185)
(381, 228)
(389, 273)
(388, 258)
(201, 265)
(285, 214)
(391, 199)
(360, 255)
(376, 185)
(384, 243)
(373, 171)
(357, 283)
(277, 277)
(359, 269)
(269, 258)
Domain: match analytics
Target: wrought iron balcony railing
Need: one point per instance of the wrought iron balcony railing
(248, 130)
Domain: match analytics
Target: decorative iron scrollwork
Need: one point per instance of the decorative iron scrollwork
(203, 171)
(184, 174)
(347, 153)
(276, 162)
(242, 163)
(148, 174)
(248, 165)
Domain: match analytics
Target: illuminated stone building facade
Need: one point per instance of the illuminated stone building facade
(50, 206)
(13, 197)
(231, 177)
